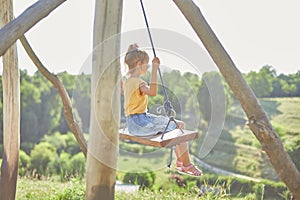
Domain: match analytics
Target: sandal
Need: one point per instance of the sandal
(179, 165)
(188, 170)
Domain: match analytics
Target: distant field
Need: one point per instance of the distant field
(284, 112)
(239, 151)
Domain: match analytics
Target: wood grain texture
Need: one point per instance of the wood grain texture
(170, 138)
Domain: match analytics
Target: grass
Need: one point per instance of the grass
(287, 116)
(50, 189)
(37, 189)
(205, 188)
(32, 189)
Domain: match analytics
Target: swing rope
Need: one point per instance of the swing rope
(167, 104)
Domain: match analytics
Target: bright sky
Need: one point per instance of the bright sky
(254, 33)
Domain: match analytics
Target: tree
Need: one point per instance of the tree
(261, 82)
(11, 112)
(258, 121)
(40, 156)
(105, 101)
(68, 111)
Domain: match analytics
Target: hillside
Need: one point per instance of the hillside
(239, 151)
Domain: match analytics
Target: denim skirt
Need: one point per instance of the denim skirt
(147, 124)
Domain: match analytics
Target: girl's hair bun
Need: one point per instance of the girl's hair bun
(133, 47)
(134, 55)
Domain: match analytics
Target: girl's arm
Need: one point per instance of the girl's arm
(152, 89)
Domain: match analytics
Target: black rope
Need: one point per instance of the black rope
(167, 105)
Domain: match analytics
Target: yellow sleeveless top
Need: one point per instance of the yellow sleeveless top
(135, 102)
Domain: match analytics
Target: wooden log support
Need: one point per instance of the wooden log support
(11, 111)
(32, 15)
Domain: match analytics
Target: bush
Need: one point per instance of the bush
(144, 179)
(27, 146)
(61, 165)
(42, 154)
(57, 141)
(24, 162)
(77, 165)
(63, 142)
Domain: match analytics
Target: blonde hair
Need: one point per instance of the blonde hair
(133, 56)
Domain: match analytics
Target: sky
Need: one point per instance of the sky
(254, 33)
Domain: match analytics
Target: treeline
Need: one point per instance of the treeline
(266, 83)
(42, 110)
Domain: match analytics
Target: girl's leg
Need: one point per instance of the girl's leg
(182, 153)
(183, 157)
(182, 150)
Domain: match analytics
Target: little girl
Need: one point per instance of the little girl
(139, 121)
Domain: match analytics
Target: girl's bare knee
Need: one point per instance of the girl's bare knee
(181, 124)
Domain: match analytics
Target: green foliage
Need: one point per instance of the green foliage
(207, 187)
(236, 187)
(41, 155)
(42, 112)
(63, 142)
(24, 163)
(77, 165)
(293, 149)
(144, 179)
(261, 82)
(60, 165)
(50, 189)
(76, 191)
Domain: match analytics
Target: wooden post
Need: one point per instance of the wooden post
(105, 101)
(32, 15)
(258, 120)
(11, 112)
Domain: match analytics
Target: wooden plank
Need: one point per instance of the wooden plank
(170, 138)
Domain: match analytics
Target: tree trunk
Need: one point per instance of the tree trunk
(105, 102)
(68, 110)
(258, 120)
(16, 28)
(11, 112)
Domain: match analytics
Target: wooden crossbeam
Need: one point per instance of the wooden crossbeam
(170, 138)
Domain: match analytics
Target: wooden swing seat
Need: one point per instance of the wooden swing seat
(170, 138)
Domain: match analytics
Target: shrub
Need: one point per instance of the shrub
(281, 131)
(60, 165)
(77, 165)
(144, 179)
(24, 162)
(72, 145)
(57, 141)
(41, 155)
(63, 142)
